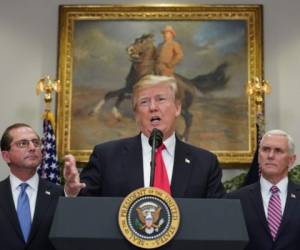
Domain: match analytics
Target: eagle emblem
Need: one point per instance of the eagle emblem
(149, 217)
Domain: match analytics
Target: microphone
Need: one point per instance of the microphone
(155, 140)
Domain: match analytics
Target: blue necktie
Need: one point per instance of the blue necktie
(23, 211)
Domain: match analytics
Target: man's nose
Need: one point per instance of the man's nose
(271, 154)
(31, 146)
(153, 104)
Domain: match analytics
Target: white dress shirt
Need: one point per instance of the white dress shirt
(266, 193)
(31, 190)
(168, 156)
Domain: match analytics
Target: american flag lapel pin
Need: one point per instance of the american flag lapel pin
(293, 196)
(47, 192)
(187, 161)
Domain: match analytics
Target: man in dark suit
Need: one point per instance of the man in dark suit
(271, 206)
(27, 203)
(116, 168)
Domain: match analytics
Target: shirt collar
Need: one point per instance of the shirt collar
(266, 185)
(33, 182)
(169, 144)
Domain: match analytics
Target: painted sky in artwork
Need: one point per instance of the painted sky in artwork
(100, 57)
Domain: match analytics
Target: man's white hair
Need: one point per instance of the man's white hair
(291, 144)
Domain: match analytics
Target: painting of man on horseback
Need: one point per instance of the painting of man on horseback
(110, 57)
(146, 59)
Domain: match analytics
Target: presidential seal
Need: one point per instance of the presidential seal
(149, 217)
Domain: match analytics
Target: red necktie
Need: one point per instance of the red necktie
(161, 179)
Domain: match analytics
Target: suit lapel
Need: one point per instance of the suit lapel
(290, 205)
(259, 208)
(7, 204)
(182, 169)
(132, 160)
(43, 201)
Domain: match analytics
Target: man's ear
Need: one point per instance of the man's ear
(292, 161)
(5, 156)
(178, 108)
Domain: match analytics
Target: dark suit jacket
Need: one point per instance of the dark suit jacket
(288, 237)
(116, 169)
(10, 231)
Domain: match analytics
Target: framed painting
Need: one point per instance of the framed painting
(222, 50)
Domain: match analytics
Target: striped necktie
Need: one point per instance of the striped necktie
(274, 212)
(23, 211)
(161, 179)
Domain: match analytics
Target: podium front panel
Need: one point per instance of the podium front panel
(88, 223)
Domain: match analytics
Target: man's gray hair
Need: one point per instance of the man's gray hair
(152, 80)
(291, 144)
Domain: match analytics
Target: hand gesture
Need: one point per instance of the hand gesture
(71, 176)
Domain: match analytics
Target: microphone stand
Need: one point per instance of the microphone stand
(155, 141)
(152, 162)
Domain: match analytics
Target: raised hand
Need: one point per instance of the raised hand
(71, 176)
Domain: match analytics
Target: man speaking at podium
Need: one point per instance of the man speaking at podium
(116, 168)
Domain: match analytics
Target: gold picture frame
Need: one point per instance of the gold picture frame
(93, 61)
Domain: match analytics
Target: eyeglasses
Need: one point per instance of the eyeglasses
(25, 143)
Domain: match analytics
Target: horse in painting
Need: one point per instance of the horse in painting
(142, 54)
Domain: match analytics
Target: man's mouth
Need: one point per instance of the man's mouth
(270, 164)
(155, 120)
(31, 157)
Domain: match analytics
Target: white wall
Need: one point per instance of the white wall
(28, 49)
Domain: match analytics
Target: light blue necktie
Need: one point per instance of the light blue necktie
(23, 211)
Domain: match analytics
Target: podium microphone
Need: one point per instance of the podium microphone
(155, 140)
